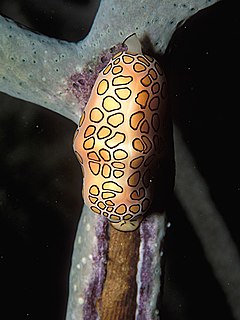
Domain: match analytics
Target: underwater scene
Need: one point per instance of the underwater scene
(183, 261)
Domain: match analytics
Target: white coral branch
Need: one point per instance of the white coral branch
(216, 240)
(37, 68)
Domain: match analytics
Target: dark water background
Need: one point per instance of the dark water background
(40, 179)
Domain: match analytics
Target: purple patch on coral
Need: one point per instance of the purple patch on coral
(148, 236)
(81, 83)
(94, 289)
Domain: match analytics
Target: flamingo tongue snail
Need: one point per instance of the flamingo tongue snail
(118, 139)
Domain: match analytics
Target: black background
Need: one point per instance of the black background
(40, 179)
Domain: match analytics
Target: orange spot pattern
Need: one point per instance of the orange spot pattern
(117, 140)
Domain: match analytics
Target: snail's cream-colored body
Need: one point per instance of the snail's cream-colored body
(119, 137)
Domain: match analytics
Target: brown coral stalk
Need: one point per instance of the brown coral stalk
(118, 299)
